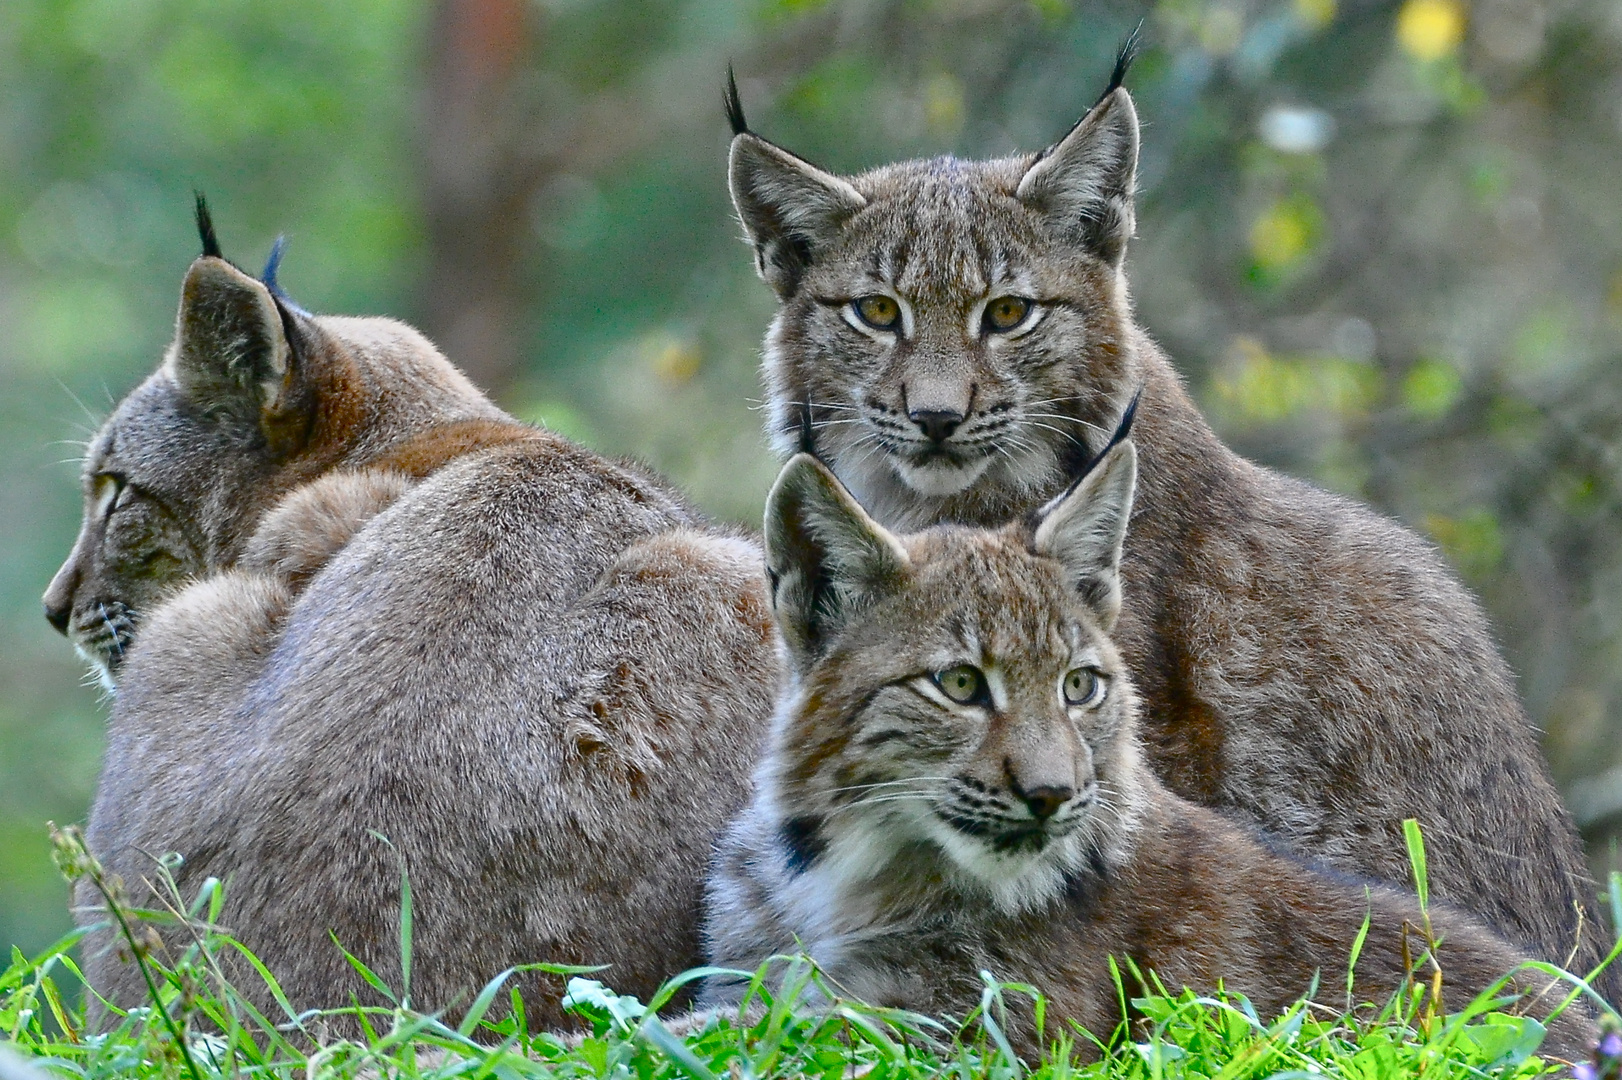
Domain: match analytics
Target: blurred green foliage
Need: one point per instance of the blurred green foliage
(294, 116)
(1380, 237)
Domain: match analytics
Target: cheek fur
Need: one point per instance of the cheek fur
(899, 741)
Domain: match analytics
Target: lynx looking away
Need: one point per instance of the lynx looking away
(342, 593)
(960, 335)
(954, 783)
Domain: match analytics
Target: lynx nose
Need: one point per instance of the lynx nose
(58, 616)
(1045, 801)
(936, 424)
(58, 600)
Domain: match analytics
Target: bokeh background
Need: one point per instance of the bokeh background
(1383, 241)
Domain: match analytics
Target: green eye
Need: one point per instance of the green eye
(1006, 312)
(880, 312)
(964, 684)
(1083, 687)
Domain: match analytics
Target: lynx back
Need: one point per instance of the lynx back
(343, 595)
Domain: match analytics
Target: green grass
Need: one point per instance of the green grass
(199, 1026)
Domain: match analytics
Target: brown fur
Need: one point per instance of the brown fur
(909, 840)
(357, 597)
(1311, 669)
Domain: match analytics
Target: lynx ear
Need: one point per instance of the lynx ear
(1085, 180)
(788, 206)
(231, 354)
(1085, 530)
(827, 558)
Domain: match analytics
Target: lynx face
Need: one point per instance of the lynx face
(144, 495)
(961, 711)
(253, 397)
(955, 329)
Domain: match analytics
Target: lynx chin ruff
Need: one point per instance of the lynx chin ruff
(954, 783)
(958, 335)
(340, 593)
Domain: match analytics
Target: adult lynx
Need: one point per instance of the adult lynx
(341, 593)
(960, 337)
(954, 783)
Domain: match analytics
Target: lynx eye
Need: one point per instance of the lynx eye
(878, 311)
(1006, 312)
(964, 684)
(109, 491)
(1082, 686)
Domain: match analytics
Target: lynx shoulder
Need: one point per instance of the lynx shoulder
(954, 783)
(340, 595)
(958, 335)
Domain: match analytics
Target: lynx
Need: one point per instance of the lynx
(960, 337)
(340, 593)
(954, 783)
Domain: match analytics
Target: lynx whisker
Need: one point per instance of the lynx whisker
(1055, 430)
(819, 424)
(914, 796)
(95, 421)
(1068, 419)
(890, 783)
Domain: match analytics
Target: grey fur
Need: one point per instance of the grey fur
(1311, 668)
(395, 609)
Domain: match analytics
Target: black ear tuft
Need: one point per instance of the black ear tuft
(808, 431)
(205, 228)
(734, 105)
(1123, 431)
(273, 264)
(1124, 56)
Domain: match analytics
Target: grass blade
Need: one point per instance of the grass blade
(1416, 859)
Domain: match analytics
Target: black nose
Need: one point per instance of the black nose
(58, 616)
(1045, 801)
(937, 424)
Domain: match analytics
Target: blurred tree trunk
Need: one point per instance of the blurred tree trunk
(478, 181)
(496, 131)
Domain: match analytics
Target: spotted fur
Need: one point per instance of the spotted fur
(908, 840)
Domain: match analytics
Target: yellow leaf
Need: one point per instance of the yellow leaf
(677, 362)
(1430, 29)
(1284, 232)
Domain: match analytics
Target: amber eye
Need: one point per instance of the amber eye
(1083, 687)
(1006, 312)
(879, 312)
(964, 684)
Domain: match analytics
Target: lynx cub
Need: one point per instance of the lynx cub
(954, 782)
(960, 335)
